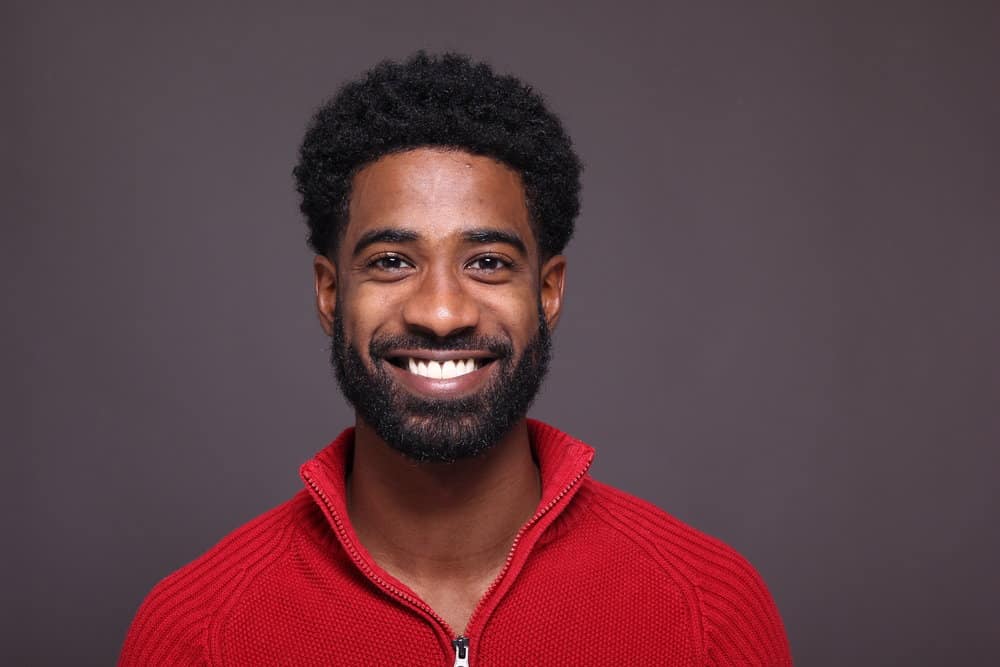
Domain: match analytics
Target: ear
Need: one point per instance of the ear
(553, 279)
(325, 275)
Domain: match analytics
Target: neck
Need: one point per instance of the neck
(428, 522)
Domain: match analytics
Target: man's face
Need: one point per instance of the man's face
(437, 303)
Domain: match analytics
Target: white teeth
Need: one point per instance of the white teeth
(451, 368)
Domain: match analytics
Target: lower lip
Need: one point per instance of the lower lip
(442, 388)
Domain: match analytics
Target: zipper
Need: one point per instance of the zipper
(371, 574)
(461, 645)
(517, 539)
(461, 642)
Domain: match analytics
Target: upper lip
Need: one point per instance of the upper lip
(440, 355)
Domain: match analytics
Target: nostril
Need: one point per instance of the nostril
(440, 331)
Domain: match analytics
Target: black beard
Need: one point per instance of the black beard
(441, 430)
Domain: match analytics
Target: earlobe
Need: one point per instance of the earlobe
(325, 280)
(553, 281)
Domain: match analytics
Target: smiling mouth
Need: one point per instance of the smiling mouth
(439, 369)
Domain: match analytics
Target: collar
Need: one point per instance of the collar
(563, 462)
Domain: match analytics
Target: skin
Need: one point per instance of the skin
(444, 530)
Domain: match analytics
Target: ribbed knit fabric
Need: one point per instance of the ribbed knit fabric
(597, 577)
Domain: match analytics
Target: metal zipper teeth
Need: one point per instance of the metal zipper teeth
(517, 539)
(415, 601)
(367, 570)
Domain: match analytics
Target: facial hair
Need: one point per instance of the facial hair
(441, 430)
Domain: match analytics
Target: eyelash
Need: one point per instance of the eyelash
(374, 263)
(503, 263)
(377, 263)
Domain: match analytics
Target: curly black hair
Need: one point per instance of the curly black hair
(446, 101)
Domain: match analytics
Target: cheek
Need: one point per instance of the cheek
(516, 314)
(361, 317)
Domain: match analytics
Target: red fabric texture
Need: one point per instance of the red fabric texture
(597, 577)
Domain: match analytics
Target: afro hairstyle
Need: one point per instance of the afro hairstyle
(442, 100)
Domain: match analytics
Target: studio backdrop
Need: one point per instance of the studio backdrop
(781, 323)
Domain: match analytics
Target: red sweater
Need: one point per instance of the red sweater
(596, 577)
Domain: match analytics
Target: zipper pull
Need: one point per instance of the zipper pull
(461, 651)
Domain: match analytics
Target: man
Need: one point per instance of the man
(445, 527)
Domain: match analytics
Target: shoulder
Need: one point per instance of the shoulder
(172, 623)
(740, 621)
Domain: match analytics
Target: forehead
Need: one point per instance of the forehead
(437, 193)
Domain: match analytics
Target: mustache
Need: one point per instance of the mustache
(502, 348)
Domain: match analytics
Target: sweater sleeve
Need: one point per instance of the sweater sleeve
(165, 631)
(172, 626)
(742, 625)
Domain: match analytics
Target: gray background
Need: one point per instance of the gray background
(782, 320)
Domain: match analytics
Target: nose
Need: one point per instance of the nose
(440, 306)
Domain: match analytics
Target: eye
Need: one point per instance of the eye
(389, 263)
(488, 264)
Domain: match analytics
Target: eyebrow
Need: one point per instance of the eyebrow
(392, 235)
(495, 236)
(384, 236)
